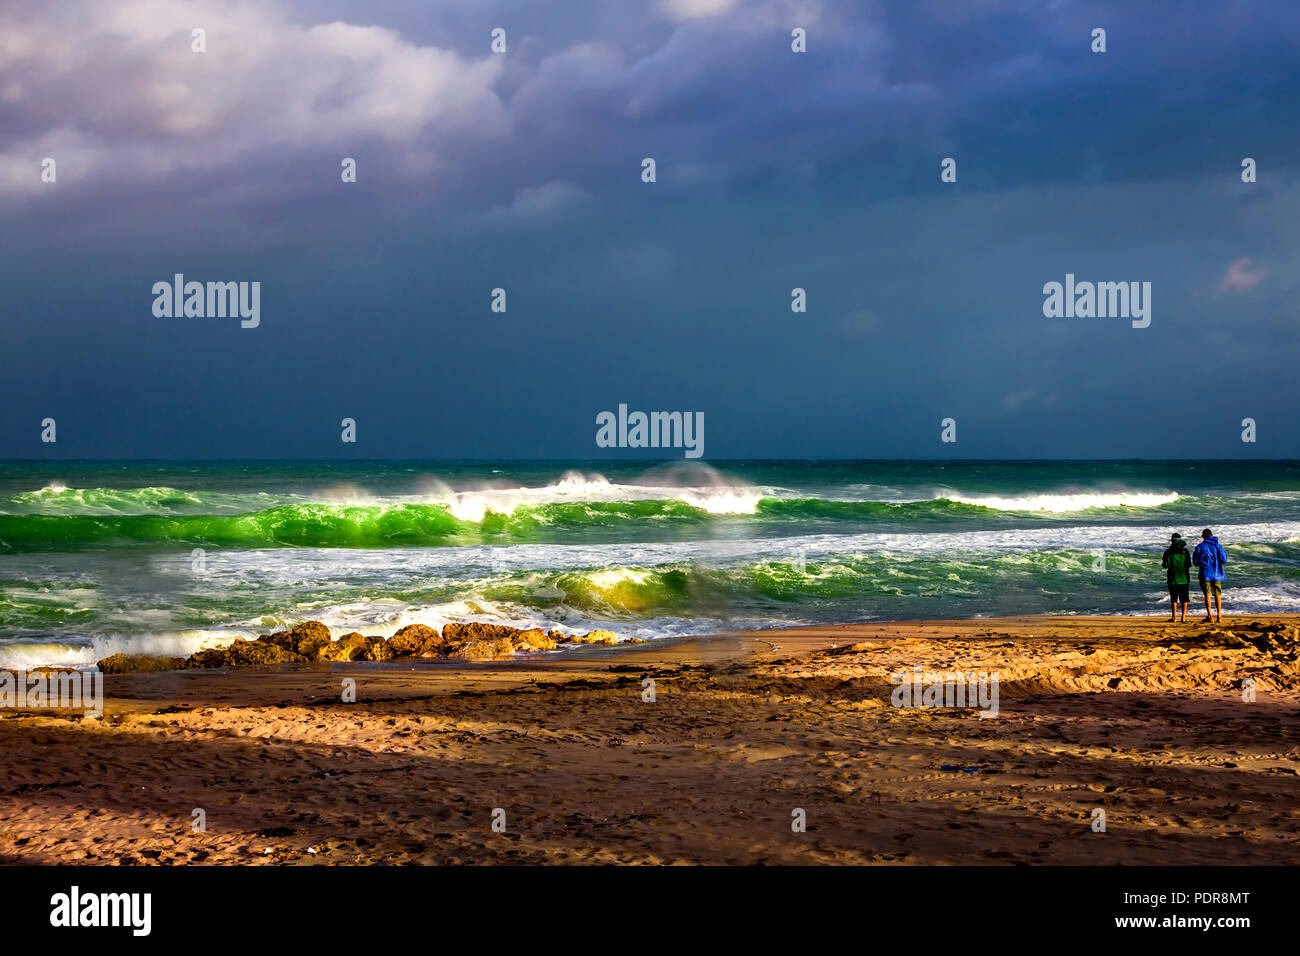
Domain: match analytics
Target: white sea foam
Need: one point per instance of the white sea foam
(326, 567)
(1065, 503)
(60, 500)
(1278, 598)
(386, 617)
(700, 486)
(296, 584)
(84, 654)
(532, 569)
(718, 497)
(346, 494)
(727, 501)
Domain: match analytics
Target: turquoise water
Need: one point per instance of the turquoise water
(165, 557)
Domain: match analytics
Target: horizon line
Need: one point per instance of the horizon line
(633, 461)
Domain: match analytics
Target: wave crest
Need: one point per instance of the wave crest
(1067, 503)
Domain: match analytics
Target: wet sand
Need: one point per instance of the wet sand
(1141, 719)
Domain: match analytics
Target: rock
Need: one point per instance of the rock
(309, 637)
(311, 641)
(304, 639)
(281, 639)
(412, 639)
(139, 664)
(474, 631)
(49, 671)
(212, 657)
(596, 637)
(534, 639)
(258, 653)
(349, 647)
(484, 649)
(475, 641)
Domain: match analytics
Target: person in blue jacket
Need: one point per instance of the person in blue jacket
(1209, 558)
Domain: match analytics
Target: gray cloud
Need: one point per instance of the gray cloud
(117, 95)
(776, 170)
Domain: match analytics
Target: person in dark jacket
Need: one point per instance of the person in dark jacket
(1177, 562)
(1210, 558)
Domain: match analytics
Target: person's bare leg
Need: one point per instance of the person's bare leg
(1183, 619)
(1205, 591)
(1173, 608)
(1218, 607)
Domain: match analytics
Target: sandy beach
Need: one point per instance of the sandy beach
(1142, 719)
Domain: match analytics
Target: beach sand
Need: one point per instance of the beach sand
(1142, 719)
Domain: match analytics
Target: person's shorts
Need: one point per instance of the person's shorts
(1212, 587)
(1179, 593)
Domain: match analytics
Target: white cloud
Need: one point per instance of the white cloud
(117, 88)
(695, 9)
(536, 202)
(1240, 277)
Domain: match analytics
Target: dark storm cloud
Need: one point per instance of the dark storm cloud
(522, 171)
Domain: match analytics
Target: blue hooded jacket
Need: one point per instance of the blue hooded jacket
(1210, 559)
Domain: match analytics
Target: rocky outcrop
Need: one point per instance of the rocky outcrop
(259, 654)
(535, 639)
(282, 639)
(378, 649)
(596, 637)
(212, 657)
(140, 664)
(305, 639)
(47, 670)
(474, 641)
(311, 642)
(349, 647)
(309, 637)
(414, 639)
(483, 649)
(457, 634)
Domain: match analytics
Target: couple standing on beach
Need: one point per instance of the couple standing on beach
(1209, 558)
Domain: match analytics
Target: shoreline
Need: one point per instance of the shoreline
(579, 650)
(1142, 719)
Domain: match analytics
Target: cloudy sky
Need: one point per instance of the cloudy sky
(775, 170)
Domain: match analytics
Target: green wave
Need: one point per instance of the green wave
(590, 514)
(320, 526)
(843, 584)
(829, 508)
(58, 500)
(375, 526)
(410, 524)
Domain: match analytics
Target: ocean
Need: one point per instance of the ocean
(168, 557)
